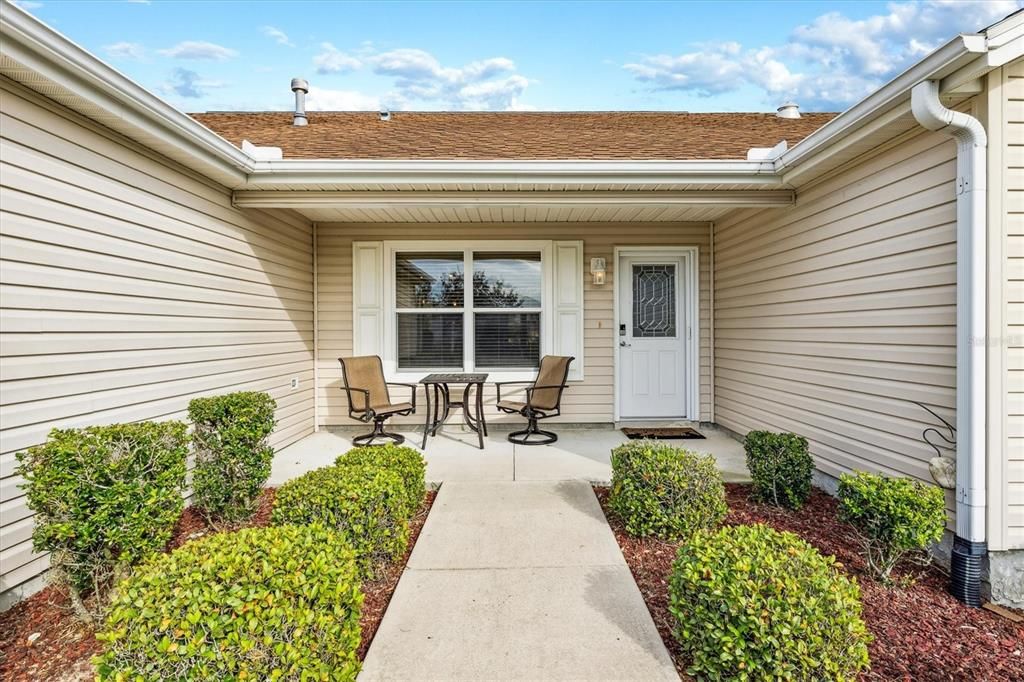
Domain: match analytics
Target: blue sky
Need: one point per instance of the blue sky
(680, 56)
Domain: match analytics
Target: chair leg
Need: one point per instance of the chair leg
(523, 437)
(378, 432)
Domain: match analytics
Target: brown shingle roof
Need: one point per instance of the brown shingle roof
(513, 135)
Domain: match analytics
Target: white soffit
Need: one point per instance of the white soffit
(517, 214)
(498, 199)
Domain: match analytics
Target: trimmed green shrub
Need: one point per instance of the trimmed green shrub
(752, 603)
(780, 467)
(405, 461)
(232, 454)
(257, 604)
(897, 518)
(105, 497)
(367, 506)
(665, 491)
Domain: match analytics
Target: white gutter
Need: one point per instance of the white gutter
(971, 331)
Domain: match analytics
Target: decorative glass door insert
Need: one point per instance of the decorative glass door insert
(654, 301)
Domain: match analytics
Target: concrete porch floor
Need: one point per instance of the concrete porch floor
(581, 453)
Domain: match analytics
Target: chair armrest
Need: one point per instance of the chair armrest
(412, 391)
(530, 390)
(499, 384)
(366, 398)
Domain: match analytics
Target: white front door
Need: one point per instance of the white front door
(652, 336)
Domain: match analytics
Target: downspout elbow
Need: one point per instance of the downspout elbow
(931, 114)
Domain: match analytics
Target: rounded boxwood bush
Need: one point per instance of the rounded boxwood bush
(754, 603)
(257, 604)
(232, 454)
(105, 498)
(366, 505)
(405, 461)
(895, 517)
(780, 467)
(665, 491)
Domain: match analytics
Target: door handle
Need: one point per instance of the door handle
(624, 344)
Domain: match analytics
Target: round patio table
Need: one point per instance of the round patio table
(440, 382)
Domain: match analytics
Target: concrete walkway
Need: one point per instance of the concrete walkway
(517, 580)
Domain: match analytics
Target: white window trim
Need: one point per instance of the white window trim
(389, 350)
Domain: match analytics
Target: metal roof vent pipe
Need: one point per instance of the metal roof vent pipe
(788, 110)
(300, 86)
(384, 114)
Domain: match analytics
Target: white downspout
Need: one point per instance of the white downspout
(971, 229)
(711, 292)
(316, 330)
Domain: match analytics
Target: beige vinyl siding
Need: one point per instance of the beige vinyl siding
(833, 315)
(129, 286)
(1007, 230)
(591, 400)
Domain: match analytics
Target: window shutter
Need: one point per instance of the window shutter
(367, 298)
(568, 304)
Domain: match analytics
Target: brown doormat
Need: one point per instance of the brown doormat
(634, 433)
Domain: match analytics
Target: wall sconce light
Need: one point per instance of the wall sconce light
(597, 270)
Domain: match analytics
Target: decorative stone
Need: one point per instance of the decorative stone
(943, 470)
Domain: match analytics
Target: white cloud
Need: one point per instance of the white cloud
(489, 84)
(712, 70)
(333, 60)
(421, 81)
(492, 95)
(412, 64)
(189, 84)
(198, 49)
(277, 35)
(322, 99)
(828, 64)
(125, 50)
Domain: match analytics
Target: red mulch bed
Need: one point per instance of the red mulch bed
(63, 648)
(377, 593)
(921, 632)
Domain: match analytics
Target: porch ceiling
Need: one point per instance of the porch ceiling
(515, 214)
(515, 206)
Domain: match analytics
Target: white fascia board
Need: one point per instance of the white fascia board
(839, 132)
(36, 46)
(292, 172)
(386, 199)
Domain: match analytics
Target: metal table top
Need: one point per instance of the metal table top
(454, 378)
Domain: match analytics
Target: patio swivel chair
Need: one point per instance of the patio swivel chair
(543, 400)
(368, 398)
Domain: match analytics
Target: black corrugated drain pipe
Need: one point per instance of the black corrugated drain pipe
(965, 571)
